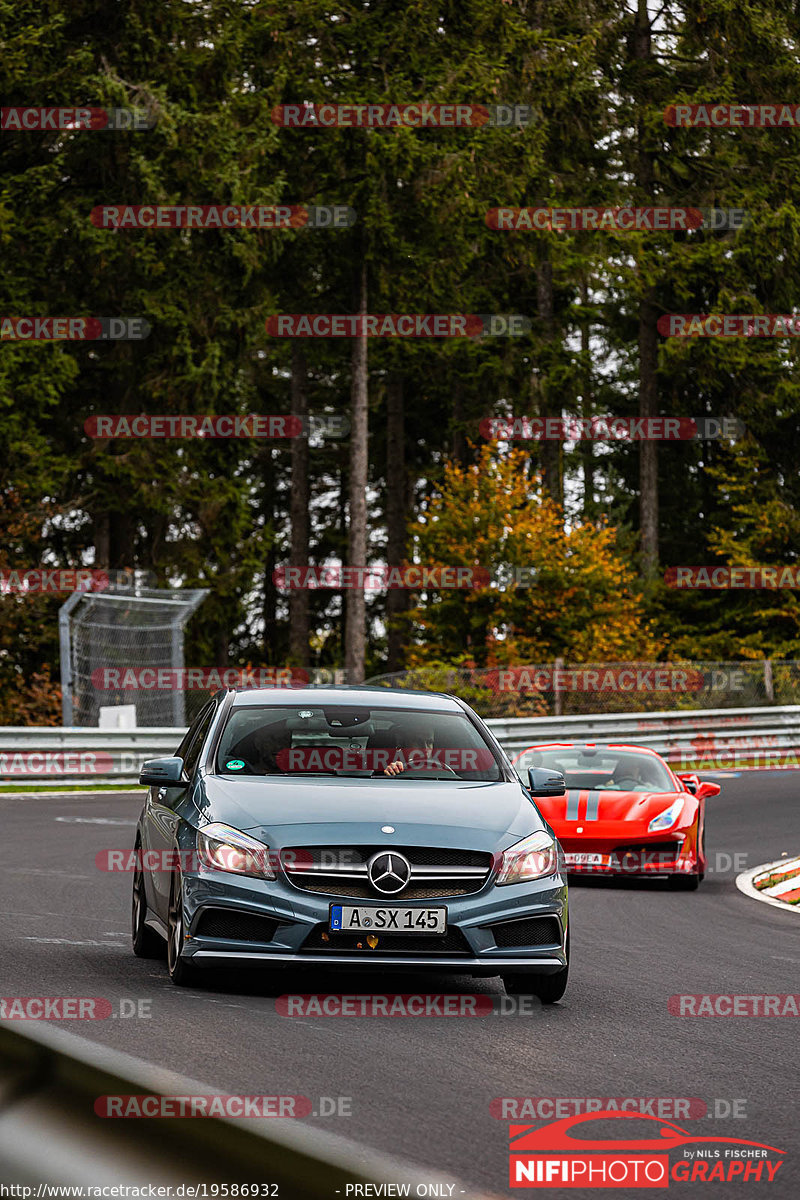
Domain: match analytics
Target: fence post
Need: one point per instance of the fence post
(769, 686)
(558, 705)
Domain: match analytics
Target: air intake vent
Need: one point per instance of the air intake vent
(235, 926)
(532, 931)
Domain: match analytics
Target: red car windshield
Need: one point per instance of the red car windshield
(600, 770)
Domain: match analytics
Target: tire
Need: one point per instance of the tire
(684, 883)
(181, 973)
(688, 883)
(145, 941)
(547, 988)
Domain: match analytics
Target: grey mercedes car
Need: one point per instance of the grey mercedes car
(351, 827)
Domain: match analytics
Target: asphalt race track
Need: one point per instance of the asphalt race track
(421, 1087)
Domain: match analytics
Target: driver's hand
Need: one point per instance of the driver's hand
(394, 768)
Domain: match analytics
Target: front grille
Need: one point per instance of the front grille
(342, 871)
(425, 856)
(531, 931)
(363, 891)
(452, 942)
(646, 855)
(236, 926)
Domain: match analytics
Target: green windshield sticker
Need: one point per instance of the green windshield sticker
(234, 764)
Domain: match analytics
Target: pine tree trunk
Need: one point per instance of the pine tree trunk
(550, 449)
(648, 460)
(270, 606)
(396, 516)
(355, 628)
(587, 412)
(299, 654)
(459, 441)
(648, 336)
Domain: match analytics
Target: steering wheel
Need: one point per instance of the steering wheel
(422, 772)
(627, 783)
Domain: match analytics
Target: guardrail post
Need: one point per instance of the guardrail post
(65, 652)
(558, 703)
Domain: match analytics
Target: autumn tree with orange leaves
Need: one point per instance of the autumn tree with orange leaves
(582, 603)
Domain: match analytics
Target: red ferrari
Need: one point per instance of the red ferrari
(624, 812)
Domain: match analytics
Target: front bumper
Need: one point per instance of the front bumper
(298, 917)
(626, 853)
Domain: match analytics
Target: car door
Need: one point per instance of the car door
(162, 819)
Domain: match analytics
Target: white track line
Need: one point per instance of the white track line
(744, 883)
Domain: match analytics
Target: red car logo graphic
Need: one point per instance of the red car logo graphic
(552, 1156)
(556, 1136)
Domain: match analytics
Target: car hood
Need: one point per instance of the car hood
(579, 805)
(329, 811)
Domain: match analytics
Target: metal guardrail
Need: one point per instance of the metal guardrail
(43, 753)
(50, 1134)
(757, 737)
(743, 736)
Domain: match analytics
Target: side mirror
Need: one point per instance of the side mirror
(163, 772)
(707, 789)
(543, 782)
(690, 783)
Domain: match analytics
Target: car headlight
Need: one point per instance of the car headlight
(666, 818)
(533, 858)
(227, 849)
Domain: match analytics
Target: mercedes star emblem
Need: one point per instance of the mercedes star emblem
(389, 872)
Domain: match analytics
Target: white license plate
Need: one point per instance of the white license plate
(347, 918)
(587, 860)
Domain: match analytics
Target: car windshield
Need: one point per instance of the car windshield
(348, 741)
(599, 769)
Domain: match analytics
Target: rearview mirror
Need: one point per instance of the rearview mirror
(543, 782)
(163, 772)
(690, 783)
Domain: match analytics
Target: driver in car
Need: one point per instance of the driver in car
(261, 748)
(635, 775)
(416, 752)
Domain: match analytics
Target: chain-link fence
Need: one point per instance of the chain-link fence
(109, 638)
(577, 689)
